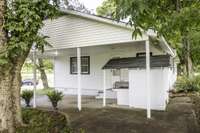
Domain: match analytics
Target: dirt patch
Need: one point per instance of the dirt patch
(178, 118)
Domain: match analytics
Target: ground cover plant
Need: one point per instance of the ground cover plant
(27, 95)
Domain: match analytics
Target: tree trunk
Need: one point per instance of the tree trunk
(10, 83)
(42, 73)
(6, 98)
(6, 101)
(16, 86)
(187, 57)
(10, 105)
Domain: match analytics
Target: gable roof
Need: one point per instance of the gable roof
(71, 31)
(97, 18)
(81, 30)
(138, 62)
(121, 24)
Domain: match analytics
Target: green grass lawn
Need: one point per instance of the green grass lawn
(43, 91)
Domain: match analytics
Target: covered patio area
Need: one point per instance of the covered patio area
(95, 88)
(70, 101)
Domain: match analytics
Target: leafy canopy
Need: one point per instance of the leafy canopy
(23, 19)
(107, 9)
(170, 18)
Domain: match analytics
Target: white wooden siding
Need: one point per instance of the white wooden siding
(99, 55)
(73, 31)
(159, 84)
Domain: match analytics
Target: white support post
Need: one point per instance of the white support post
(34, 78)
(104, 88)
(79, 77)
(148, 78)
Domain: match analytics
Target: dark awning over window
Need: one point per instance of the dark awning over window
(138, 62)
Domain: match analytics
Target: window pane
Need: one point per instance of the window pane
(84, 61)
(84, 69)
(74, 69)
(84, 65)
(73, 65)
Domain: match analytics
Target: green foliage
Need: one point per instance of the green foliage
(23, 19)
(27, 95)
(28, 66)
(78, 6)
(185, 84)
(48, 64)
(195, 48)
(44, 91)
(107, 9)
(39, 121)
(171, 19)
(55, 96)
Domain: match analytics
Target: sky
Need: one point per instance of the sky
(91, 4)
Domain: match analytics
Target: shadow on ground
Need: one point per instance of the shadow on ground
(178, 118)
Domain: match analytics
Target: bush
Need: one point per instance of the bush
(185, 84)
(55, 96)
(27, 95)
(40, 121)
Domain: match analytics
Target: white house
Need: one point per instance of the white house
(98, 56)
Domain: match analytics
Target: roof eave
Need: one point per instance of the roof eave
(97, 18)
(171, 51)
(162, 40)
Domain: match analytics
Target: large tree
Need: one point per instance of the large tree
(78, 6)
(176, 20)
(107, 9)
(20, 21)
(42, 65)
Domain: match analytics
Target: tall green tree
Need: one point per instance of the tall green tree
(20, 21)
(176, 20)
(42, 65)
(78, 6)
(107, 9)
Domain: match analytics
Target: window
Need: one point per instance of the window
(85, 65)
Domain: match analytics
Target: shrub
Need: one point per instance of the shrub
(41, 121)
(55, 96)
(185, 84)
(27, 95)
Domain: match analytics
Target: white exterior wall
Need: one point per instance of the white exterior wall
(98, 58)
(159, 84)
(73, 31)
(173, 76)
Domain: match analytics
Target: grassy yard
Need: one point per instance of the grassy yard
(43, 91)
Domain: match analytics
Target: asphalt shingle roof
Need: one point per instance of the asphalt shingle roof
(138, 62)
